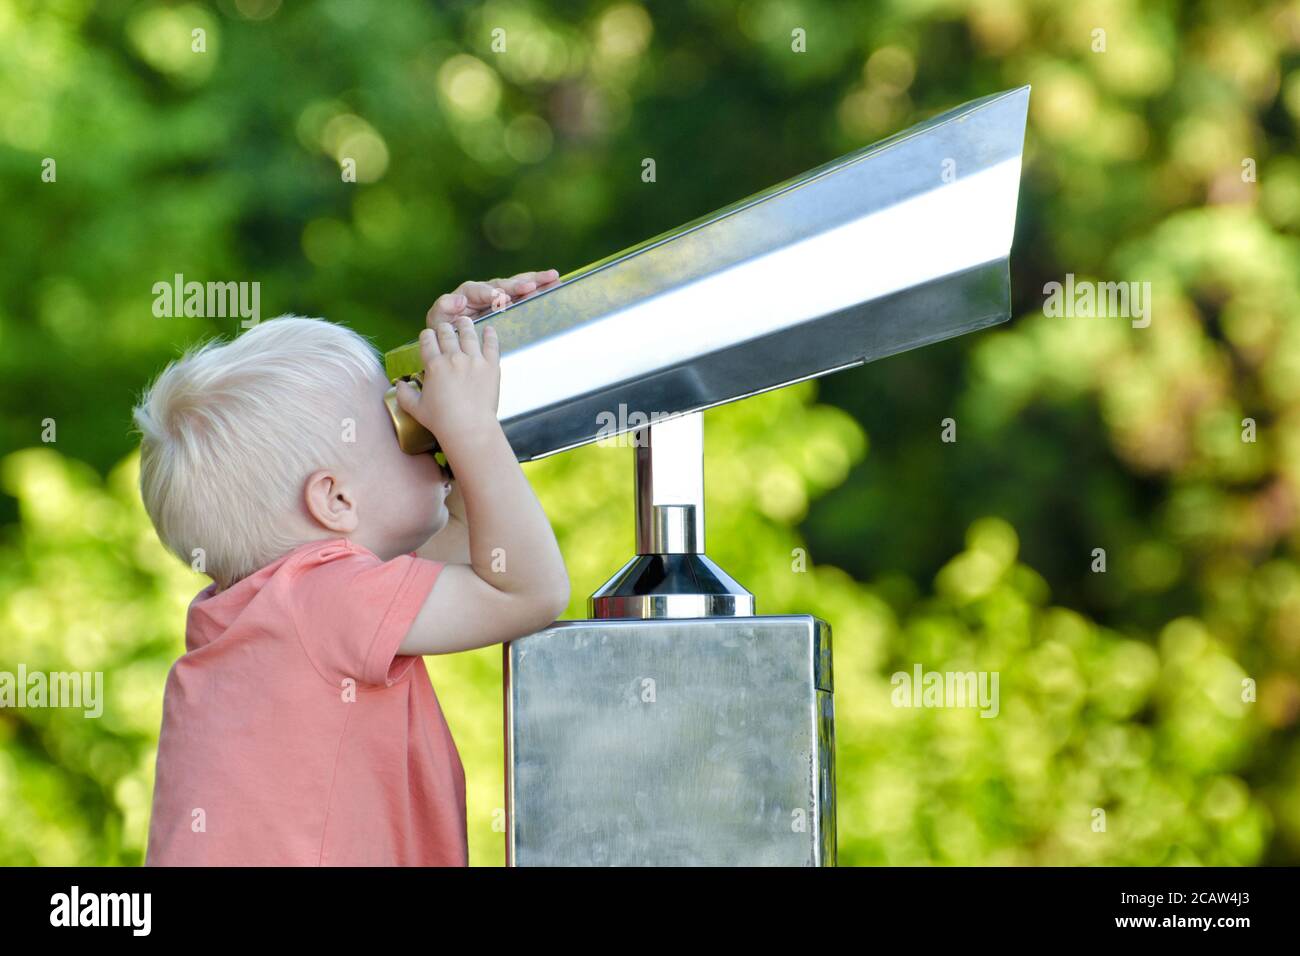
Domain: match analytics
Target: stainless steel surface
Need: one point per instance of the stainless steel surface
(669, 483)
(670, 575)
(661, 743)
(670, 586)
(868, 255)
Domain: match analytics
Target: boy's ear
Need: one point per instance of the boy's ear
(329, 502)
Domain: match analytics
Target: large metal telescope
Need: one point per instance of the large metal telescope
(893, 246)
(677, 726)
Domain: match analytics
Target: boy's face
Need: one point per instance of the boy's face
(402, 498)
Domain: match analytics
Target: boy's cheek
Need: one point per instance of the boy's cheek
(426, 476)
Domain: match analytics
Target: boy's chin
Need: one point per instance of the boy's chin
(435, 524)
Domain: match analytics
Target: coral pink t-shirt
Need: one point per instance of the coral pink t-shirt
(292, 734)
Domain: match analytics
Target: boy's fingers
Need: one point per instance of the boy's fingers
(408, 399)
(541, 277)
(490, 295)
(491, 347)
(482, 295)
(466, 335)
(429, 347)
(448, 340)
(445, 308)
(521, 284)
(526, 282)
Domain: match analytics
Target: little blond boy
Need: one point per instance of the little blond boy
(300, 726)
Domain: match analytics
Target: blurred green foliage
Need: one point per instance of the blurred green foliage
(1169, 157)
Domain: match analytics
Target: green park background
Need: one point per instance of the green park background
(1163, 691)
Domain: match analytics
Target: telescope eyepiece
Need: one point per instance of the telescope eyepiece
(413, 437)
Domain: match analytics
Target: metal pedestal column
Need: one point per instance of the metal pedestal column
(676, 726)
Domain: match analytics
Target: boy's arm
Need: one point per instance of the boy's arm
(451, 544)
(464, 612)
(515, 582)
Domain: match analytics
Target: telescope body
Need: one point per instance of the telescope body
(893, 246)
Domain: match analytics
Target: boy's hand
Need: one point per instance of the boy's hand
(462, 381)
(478, 298)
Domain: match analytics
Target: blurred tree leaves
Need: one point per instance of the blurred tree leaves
(1168, 157)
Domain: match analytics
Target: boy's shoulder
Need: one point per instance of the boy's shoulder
(340, 603)
(276, 577)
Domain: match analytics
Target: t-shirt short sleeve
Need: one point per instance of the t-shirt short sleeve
(352, 610)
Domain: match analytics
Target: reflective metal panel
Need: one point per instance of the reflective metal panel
(690, 742)
(894, 246)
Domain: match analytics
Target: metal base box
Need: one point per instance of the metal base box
(678, 742)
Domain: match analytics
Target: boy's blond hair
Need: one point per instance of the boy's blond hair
(230, 431)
